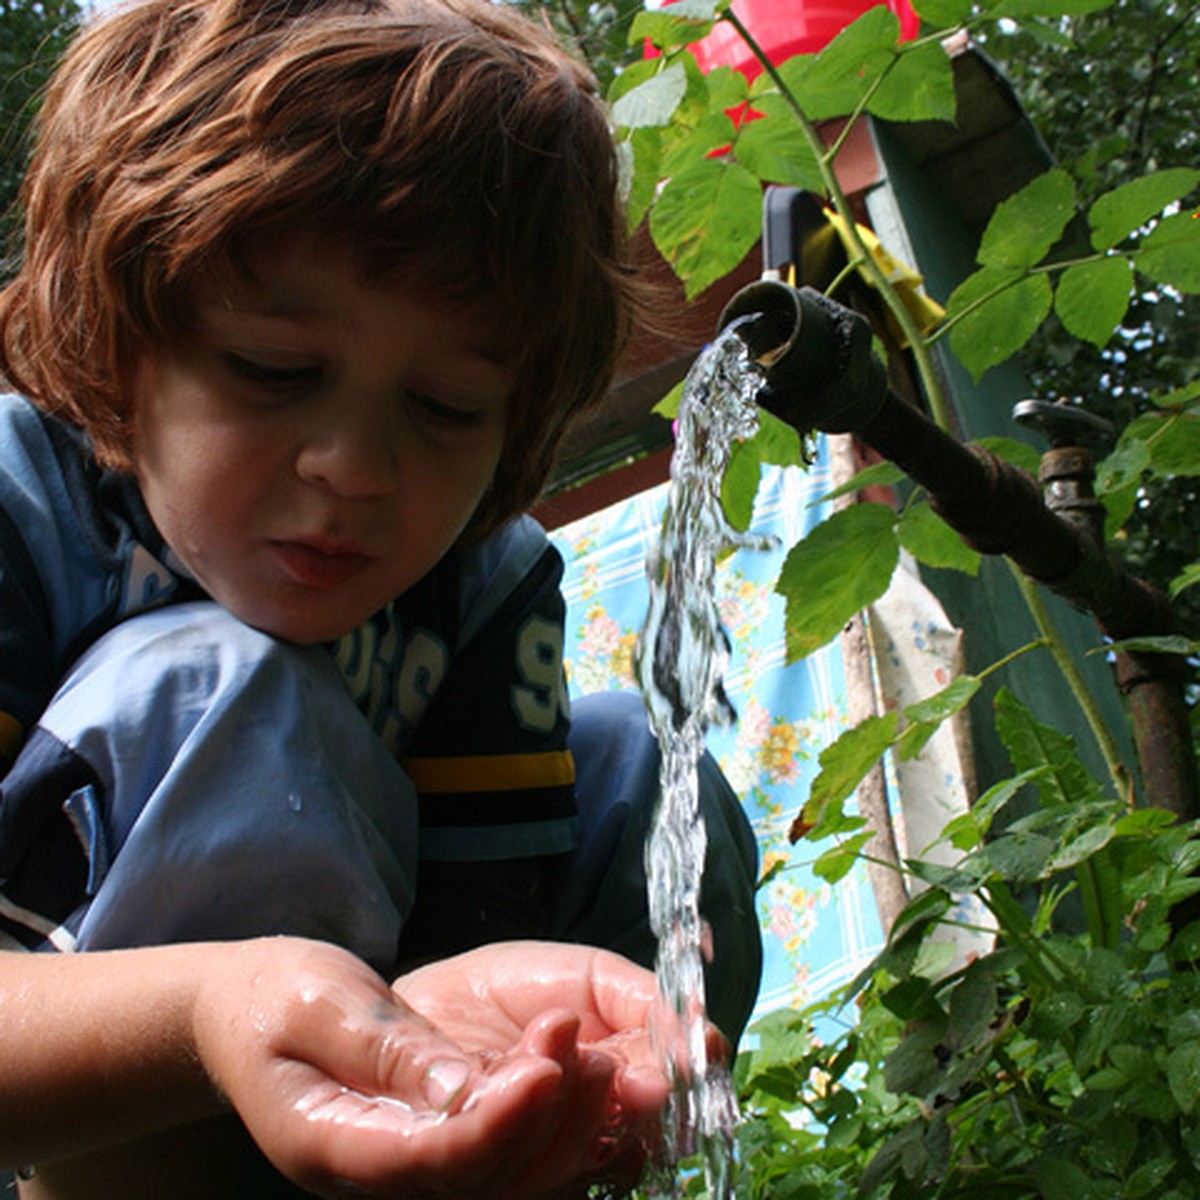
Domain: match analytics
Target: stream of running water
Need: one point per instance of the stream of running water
(681, 658)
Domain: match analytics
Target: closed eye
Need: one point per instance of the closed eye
(445, 414)
(272, 377)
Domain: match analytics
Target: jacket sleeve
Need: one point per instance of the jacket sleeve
(33, 510)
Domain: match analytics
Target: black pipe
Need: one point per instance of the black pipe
(821, 374)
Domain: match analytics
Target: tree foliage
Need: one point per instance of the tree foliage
(33, 34)
(1108, 91)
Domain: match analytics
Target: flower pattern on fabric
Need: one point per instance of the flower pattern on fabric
(602, 659)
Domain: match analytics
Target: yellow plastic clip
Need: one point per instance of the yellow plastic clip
(925, 311)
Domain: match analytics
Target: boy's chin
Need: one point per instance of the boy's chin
(305, 628)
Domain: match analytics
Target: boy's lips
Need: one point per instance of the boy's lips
(319, 564)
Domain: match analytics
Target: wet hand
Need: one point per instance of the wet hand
(588, 1011)
(520, 1070)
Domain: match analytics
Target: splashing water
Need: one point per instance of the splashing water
(681, 657)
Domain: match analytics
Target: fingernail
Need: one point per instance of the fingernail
(445, 1080)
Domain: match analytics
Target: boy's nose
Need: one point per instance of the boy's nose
(353, 454)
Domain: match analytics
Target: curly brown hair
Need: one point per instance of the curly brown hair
(453, 137)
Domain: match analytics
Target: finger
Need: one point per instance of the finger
(642, 1092)
(337, 1134)
(525, 979)
(552, 1034)
(569, 1151)
(379, 1046)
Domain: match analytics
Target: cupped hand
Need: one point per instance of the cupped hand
(519, 1070)
(586, 1009)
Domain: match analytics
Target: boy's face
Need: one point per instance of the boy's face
(321, 442)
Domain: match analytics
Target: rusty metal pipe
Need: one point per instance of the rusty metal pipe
(822, 375)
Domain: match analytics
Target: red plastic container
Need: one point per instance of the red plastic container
(787, 27)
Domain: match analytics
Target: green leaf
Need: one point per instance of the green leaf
(1175, 447)
(1118, 507)
(777, 442)
(845, 762)
(1048, 33)
(739, 485)
(705, 221)
(912, 999)
(652, 102)
(930, 540)
(1020, 454)
(699, 9)
(633, 76)
(1157, 644)
(1092, 298)
(943, 14)
(668, 406)
(1119, 477)
(927, 715)
(1018, 9)
(724, 88)
(881, 474)
(1024, 227)
(643, 151)
(1081, 848)
(1060, 1179)
(968, 831)
(670, 27)
(844, 564)
(1057, 1012)
(1183, 1075)
(1125, 465)
(712, 134)
(831, 83)
(1032, 744)
(775, 149)
(1142, 821)
(1146, 1178)
(1116, 214)
(919, 86)
(973, 1005)
(773, 442)
(958, 880)
(783, 1038)
(1188, 577)
(915, 1066)
(838, 861)
(1171, 253)
(1011, 306)
(1180, 397)
(1019, 857)
(928, 907)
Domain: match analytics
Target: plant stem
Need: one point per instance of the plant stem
(1053, 641)
(1011, 919)
(931, 383)
(1037, 644)
(1100, 897)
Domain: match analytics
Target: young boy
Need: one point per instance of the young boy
(309, 292)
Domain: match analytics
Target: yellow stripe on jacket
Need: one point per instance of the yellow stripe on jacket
(490, 772)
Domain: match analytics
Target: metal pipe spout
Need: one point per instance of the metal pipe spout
(816, 354)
